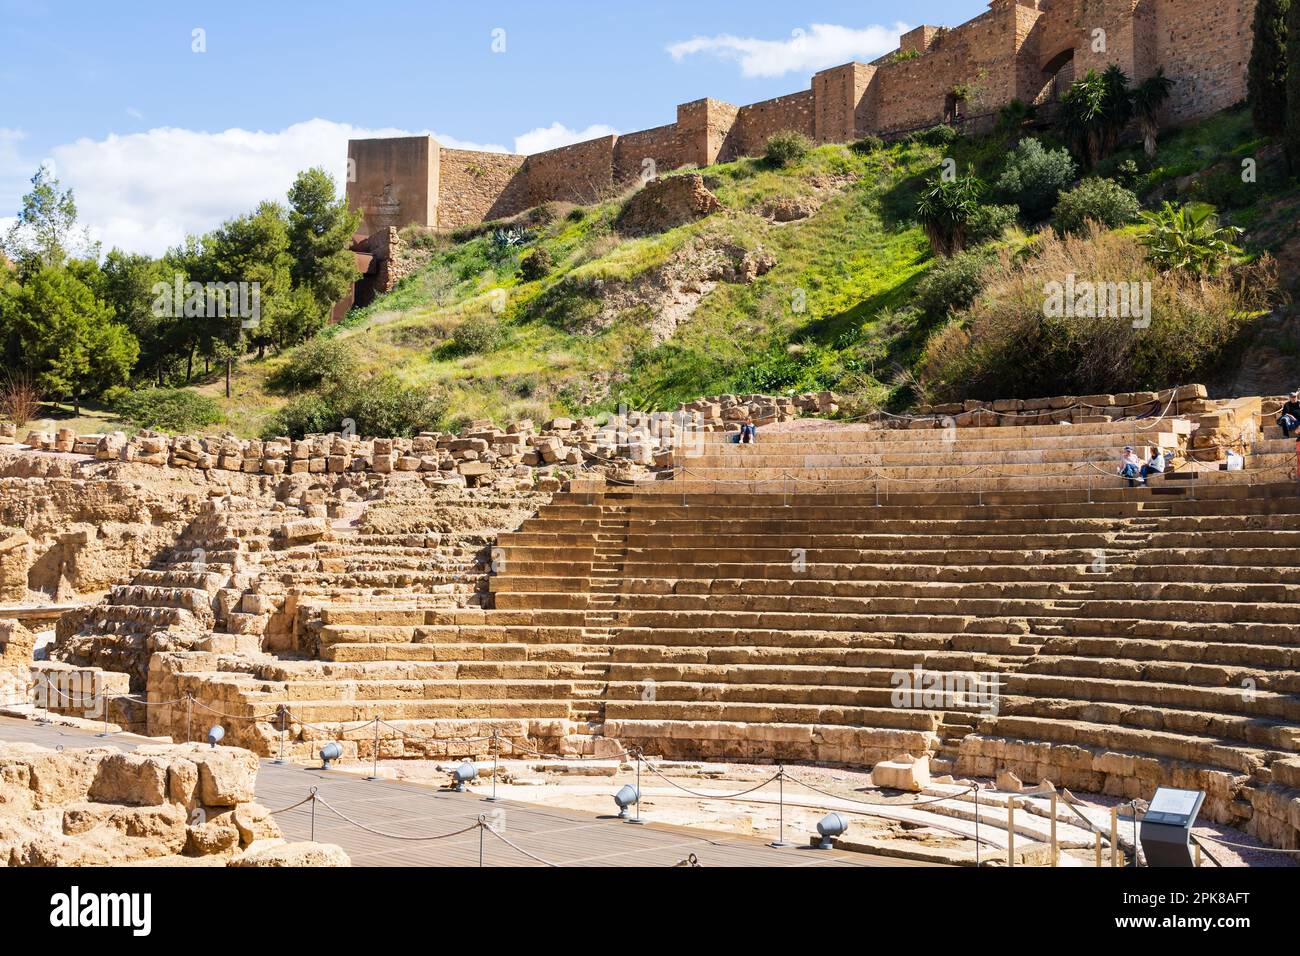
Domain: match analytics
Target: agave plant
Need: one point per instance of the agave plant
(1151, 94)
(945, 210)
(1189, 238)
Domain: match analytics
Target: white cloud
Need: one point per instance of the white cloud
(556, 135)
(134, 113)
(804, 51)
(145, 191)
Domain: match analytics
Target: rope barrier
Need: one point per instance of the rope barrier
(708, 796)
(516, 847)
(307, 799)
(1243, 846)
(872, 803)
(391, 836)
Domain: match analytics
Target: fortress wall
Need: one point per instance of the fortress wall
(983, 55)
(843, 110)
(1205, 48)
(758, 121)
(667, 146)
(393, 181)
(475, 186)
(1000, 55)
(581, 173)
(709, 131)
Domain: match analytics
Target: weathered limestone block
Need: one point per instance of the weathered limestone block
(902, 773)
(16, 556)
(130, 779)
(278, 854)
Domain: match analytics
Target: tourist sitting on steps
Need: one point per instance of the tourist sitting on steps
(1130, 467)
(748, 433)
(1155, 463)
(1290, 416)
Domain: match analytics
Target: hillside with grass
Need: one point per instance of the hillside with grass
(816, 272)
(852, 294)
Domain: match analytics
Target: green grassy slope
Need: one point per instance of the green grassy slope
(826, 316)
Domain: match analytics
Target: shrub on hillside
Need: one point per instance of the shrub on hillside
(946, 209)
(952, 284)
(1189, 239)
(989, 221)
(536, 265)
(1102, 201)
(867, 145)
(1012, 342)
(169, 409)
(475, 335)
(786, 148)
(1033, 178)
(380, 405)
(940, 135)
(317, 361)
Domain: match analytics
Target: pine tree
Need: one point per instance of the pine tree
(1267, 80)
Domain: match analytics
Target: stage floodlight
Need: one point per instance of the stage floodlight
(330, 752)
(829, 827)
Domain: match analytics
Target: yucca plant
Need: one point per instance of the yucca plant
(1116, 108)
(945, 210)
(1094, 111)
(1148, 99)
(1189, 239)
(1081, 117)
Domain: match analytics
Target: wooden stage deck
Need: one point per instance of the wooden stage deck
(400, 811)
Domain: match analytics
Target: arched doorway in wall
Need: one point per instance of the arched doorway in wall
(1058, 74)
(954, 109)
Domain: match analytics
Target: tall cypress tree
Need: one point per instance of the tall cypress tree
(1293, 89)
(1268, 66)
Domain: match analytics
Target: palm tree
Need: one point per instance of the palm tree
(945, 210)
(1083, 110)
(1117, 107)
(1148, 99)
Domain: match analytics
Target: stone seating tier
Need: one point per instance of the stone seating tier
(1133, 635)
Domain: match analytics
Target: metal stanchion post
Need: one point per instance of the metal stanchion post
(284, 729)
(780, 809)
(105, 733)
(482, 825)
(1114, 836)
(1055, 848)
(495, 751)
(1011, 831)
(374, 757)
(1135, 833)
(637, 818)
(189, 717)
(313, 814)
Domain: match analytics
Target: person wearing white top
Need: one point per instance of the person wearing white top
(1130, 467)
(1155, 462)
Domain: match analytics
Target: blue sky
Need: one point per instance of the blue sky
(157, 139)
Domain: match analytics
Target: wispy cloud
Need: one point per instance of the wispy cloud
(556, 135)
(804, 51)
(145, 191)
